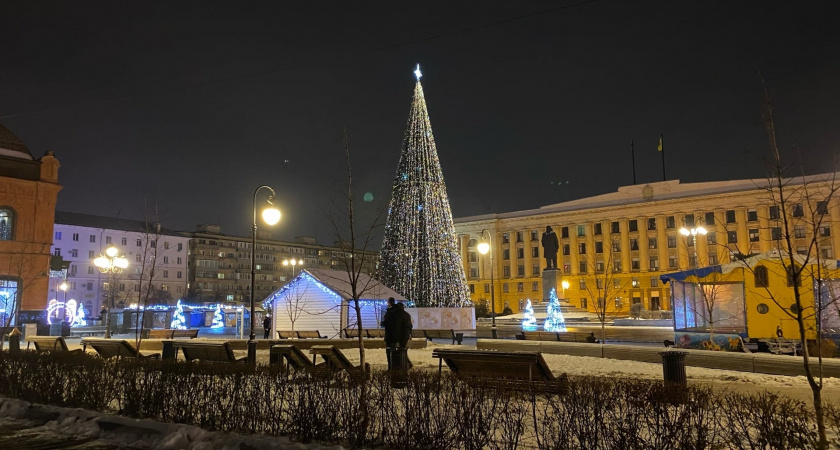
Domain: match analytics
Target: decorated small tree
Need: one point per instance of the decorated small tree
(529, 323)
(554, 320)
(218, 319)
(179, 322)
(80, 320)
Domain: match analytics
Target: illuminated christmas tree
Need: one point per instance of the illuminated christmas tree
(79, 320)
(218, 319)
(179, 322)
(529, 323)
(419, 257)
(554, 320)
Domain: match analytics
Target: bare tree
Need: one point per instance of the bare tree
(603, 283)
(296, 303)
(151, 255)
(355, 242)
(22, 266)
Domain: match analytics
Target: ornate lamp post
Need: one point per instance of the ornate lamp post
(110, 263)
(271, 216)
(484, 247)
(692, 233)
(293, 262)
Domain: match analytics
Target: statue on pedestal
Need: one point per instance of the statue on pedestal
(550, 246)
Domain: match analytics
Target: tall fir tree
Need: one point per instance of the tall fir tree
(419, 257)
(554, 320)
(529, 323)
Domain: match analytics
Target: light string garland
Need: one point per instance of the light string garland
(554, 320)
(529, 323)
(218, 319)
(179, 321)
(419, 256)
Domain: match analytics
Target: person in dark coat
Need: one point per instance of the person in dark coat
(267, 326)
(550, 246)
(391, 321)
(405, 325)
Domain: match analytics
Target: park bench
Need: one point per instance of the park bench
(208, 352)
(115, 348)
(156, 333)
(352, 333)
(540, 336)
(49, 344)
(309, 334)
(444, 334)
(286, 334)
(521, 366)
(295, 359)
(336, 361)
(87, 331)
(375, 333)
(418, 334)
(191, 334)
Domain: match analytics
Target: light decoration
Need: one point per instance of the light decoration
(419, 256)
(179, 322)
(554, 320)
(52, 310)
(70, 311)
(529, 323)
(218, 319)
(80, 320)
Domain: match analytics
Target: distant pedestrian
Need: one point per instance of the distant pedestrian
(391, 321)
(779, 333)
(267, 326)
(591, 338)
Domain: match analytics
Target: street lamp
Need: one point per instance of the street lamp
(271, 216)
(693, 232)
(110, 263)
(484, 248)
(63, 286)
(293, 262)
(565, 285)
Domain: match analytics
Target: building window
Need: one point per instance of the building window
(582, 248)
(689, 220)
(599, 266)
(801, 251)
(672, 261)
(57, 235)
(506, 271)
(634, 244)
(486, 288)
(57, 251)
(535, 252)
(822, 208)
(505, 288)
(107, 239)
(711, 239)
(798, 211)
(761, 277)
(774, 212)
(582, 266)
(520, 253)
(652, 243)
(472, 256)
(753, 232)
(599, 247)
(825, 231)
(180, 246)
(520, 287)
(730, 216)
(710, 218)
(472, 289)
(634, 265)
(76, 237)
(827, 253)
(137, 258)
(596, 229)
(139, 243)
(799, 231)
(566, 250)
(519, 237)
(616, 283)
(672, 242)
(473, 272)
(581, 230)
(654, 263)
(618, 302)
(534, 235)
(582, 284)
(752, 215)
(792, 276)
(633, 225)
(74, 253)
(90, 254)
(617, 266)
(654, 281)
(776, 233)
(614, 227)
(583, 303)
(651, 224)
(732, 237)
(670, 222)
(93, 238)
(7, 226)
(535, 286)
(179, 274)
(599, 283)
(616, 247)
(505, 238)
(506, 254)
(692, 260)
(90, 270)
(564, 232)
(713, 260)
(535, 270)
(520, 270)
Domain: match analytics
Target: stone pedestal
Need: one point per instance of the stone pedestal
(551, 279)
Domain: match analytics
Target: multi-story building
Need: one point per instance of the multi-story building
(621, 242)
(28, 193)
(80, 238)
(220, 265)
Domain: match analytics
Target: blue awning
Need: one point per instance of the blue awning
(701, 272)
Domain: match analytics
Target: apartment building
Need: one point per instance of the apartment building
(80, 238)
(220, 264)
(621, 242)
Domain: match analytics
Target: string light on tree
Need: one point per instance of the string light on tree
(218, 319)
(420, 257)
(529, 323)
(554, 320)
(179, 321)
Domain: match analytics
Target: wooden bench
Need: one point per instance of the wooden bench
(87, 331)
(156, 333)
(286, 334)
(523, 366)
(444, 334)
(336, 361)
(115, 348)
(295, 359)
(418, 334)
(208, 352)
(540, 336)
(191, 334)
(375, 333)
(309, 334)
(49, 344)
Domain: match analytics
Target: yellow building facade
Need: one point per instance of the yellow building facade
(614, 247)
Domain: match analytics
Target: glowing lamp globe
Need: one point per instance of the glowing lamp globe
(271, 215)
(111, 251)
(483, 248)
(121, 263)
(101, 262)
(63, 286)
(701, 231)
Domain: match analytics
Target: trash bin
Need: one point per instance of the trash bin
(673, 367)
(55, 328)
(399, 367)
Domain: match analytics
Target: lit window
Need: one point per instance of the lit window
(7, 225)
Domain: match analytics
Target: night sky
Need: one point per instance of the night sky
(531, 102)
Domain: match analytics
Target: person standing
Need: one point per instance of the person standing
(267, 326)
(391, 321)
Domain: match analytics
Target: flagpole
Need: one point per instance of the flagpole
(633, 156)
(662, 150)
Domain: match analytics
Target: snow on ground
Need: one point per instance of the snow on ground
(79, 428)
